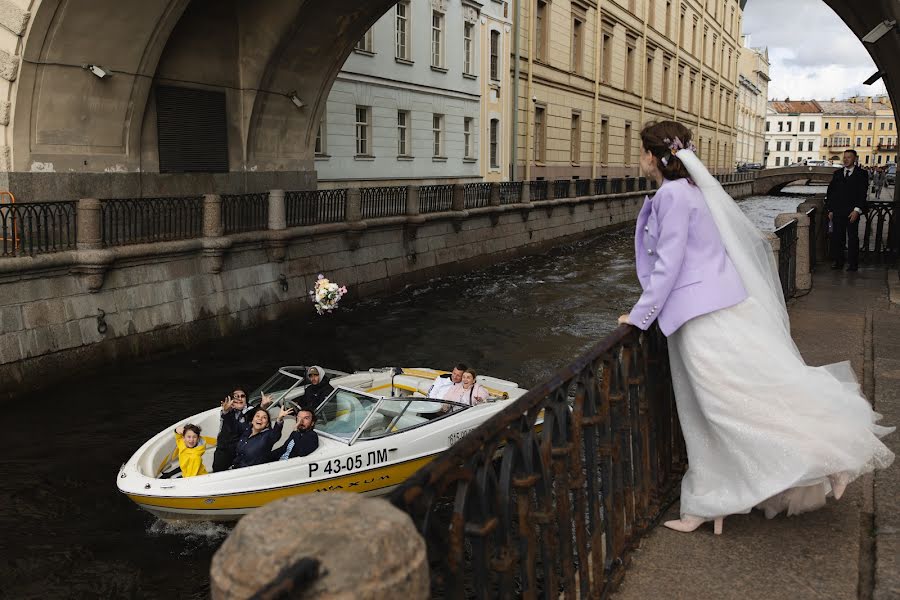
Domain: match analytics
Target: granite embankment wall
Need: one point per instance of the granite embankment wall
(72, 310)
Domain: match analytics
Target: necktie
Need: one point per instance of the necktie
(846, 172)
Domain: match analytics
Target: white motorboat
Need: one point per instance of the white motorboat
(375, 430)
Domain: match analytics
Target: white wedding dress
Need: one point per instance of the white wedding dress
(762, 428)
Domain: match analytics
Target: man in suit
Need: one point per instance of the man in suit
(845, 202)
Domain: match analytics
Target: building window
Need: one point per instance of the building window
(540, 134)
(679, 91)
(777, 146)
(648, 76)
(627, 140)
(780, 126)
(867, 159)
(870, 126)
(577, 52)
(495, 55)
(363, 128)
(681, 29)
(868, 141)
(540, 30)
(880, 141)
(787, 146)
(849, 125)
(321, 138)
(826, 125)
(789, 124)
(890, 126)
(691, 88)
(858, 126)
(668, 26)
(402, 31)
(437, 130)
(665, 83)
(812, 126)
(777, 161)
(403, 121)
(767, 125)
(606, 72)
(365, 43)
(467, 138)
(629, 64)
(604, 141)
(495, 143)
(694, 38)
(809, 146)
(437, 39)
(858, 141)
(802, 126)
(469, 48)
(882, 126)
(575, 139)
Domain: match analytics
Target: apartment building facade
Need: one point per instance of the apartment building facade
(793, 132)
(591, 74)
(864, 123)
(752, 96)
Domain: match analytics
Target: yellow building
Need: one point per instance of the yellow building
(864, 123)
(592, 72)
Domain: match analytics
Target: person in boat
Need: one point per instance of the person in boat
(235, 421)
(256, 444)
(469, 391)
(190, 450)
(443, 383)
(318, 389)
(303, 441)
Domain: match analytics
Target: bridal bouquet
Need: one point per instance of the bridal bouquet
(326, 295)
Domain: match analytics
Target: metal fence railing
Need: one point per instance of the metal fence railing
(787, 258)
(601, 186)
(245, 212)
(561, 188)
(383, 201)
(477, 195)
(537, 189)
(146, 220)
(435, 198)
(616, 185)
(880, 236)
(315, 207)
(813, 236)
(582, 187)
(548, 497)
(31, 228)
(510, 192)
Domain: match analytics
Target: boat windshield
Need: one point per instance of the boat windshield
(280, 385)
(343, 412)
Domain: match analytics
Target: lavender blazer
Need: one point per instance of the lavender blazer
(681, 262)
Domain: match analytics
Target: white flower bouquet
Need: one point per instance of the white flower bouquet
(327, 295)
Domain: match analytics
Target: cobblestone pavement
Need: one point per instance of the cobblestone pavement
(848, 549)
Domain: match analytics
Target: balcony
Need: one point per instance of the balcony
(886, 147)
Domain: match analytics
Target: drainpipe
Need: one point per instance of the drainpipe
(529, 127)
(515, 93)
(702, 59)
(644, 82)
(678, 64)
(598, 36)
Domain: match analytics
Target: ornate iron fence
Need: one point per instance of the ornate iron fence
(616, 185)
(601, 186)
(813, 236)
(510, 192)
(630, 184)
(561, 188)
(435, 198)
(582, 187)
(787, 258)
(383, 201)
(31, 228)
(538, 189)
(523, 509)
(145, 220)
(880, 243)
(245, 212)
(478, 195)
(314, 207)
(642, 183)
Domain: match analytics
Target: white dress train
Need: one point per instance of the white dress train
(762, 428)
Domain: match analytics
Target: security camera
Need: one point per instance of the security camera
(534, 99)
(98, 71)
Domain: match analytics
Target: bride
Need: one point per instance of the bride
(763, 429)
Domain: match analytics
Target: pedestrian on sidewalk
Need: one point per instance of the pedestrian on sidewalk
(763, 429)
(846, 200)
(878, 181)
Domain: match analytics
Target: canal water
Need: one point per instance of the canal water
(68, 533)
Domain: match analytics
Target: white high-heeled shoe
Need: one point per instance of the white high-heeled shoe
(839, 483)
(689, 523)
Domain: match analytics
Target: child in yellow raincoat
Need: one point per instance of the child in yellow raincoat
(190, 450)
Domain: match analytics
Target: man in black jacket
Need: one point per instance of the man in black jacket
(845, 202)
(303, 441)
(235, 420)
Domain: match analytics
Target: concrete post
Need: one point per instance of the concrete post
(412, 200)
(89, 235)
(212, 216)
(571, 193)
(776, 245)
(821, 225)
(277, 212)
(551, 189)
(525, 195)
(459, 197)
(354, 205)
(338, 545)
(495, 194)
(802, 276)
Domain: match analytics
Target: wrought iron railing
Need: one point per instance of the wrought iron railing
(314, 207)
(813, 215)
(561, 188)
(787, 258)
(630, 184)
(523, 509)
(31, 228)
(383, 201)
(601, 186)
(245, 212)
(477, 195)
(642, 183)
(616, 185)
(582, 187)
(435, 198)
(510, 192)
(146, 220)
(880, 243)
(537, 189)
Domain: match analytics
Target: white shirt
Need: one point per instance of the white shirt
(440, 386)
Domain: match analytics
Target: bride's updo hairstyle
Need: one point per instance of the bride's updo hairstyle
(657, 137)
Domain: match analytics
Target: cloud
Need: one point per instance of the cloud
(813, 54)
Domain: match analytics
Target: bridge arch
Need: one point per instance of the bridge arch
(771, 181)
(99, 135)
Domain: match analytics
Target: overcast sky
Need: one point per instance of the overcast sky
(813, 54)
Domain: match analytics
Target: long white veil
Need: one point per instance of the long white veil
(747, 246)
